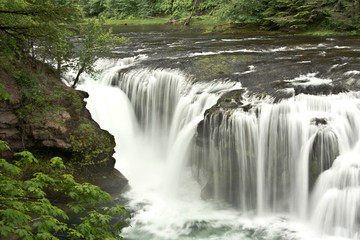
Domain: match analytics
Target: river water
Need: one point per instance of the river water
(283, 169)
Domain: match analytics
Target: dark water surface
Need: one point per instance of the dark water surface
(254, 60)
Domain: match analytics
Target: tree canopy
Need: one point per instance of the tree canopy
(270, 14)
(45, 29)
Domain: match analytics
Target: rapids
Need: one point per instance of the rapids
(285, 169)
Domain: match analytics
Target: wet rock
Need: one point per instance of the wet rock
(285, 89)
(323, 89)
(112, 183)
(324, 151)
(230, 100)
(319, 121)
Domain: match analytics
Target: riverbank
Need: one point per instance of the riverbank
(208, 24)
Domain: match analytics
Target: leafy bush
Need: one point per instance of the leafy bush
(26, 210)
(126, 8)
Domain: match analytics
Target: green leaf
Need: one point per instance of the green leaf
(4, 146)
(9, 168)
(26, 159)
(56, 162)
(3, 95)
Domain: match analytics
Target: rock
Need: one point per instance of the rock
(319, 121)
(114, 183)
(8, 119)
(324, 151)
(55, 122)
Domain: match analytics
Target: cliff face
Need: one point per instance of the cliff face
(50, 119)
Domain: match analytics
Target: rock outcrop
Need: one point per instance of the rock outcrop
(50, 119)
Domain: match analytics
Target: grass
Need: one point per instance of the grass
(323, 30)
(136, 21)
(325, 33)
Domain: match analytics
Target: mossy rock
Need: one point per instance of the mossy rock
(91, 145)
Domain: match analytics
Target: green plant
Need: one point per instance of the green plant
(89, 144)
(28, 83)
(3, 94)
(27, 211)
(40, 103)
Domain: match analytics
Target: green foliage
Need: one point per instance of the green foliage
(290, 15)
(24, 22)
(94, 41)
(3, 94)
(128, 8)
(93, 8)
(341, 14)
(45, 29)
(89, 144)
(272, 14)
(38, 104)
(28, 83)
(26, 211)
(239, 10)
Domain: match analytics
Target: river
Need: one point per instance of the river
(278, 158)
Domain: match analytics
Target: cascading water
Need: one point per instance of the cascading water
(264, 161)
(226, 151)
(275, 158)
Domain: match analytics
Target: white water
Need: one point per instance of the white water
(256, 163)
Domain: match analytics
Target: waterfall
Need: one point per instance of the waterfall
(336, 199)
(160, 114)
(298, 158)
(268, 160)
(227, 152)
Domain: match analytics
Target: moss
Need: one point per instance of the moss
(212, 66)
(91, 145)
(38, 100)
(28, 83)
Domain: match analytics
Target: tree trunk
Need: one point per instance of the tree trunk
(58, 68)
(76, 80)
(192, 12)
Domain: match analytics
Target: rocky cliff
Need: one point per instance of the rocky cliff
(49, 119)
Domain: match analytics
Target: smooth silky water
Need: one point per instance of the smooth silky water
(282, 170)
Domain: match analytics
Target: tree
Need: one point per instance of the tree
(94, 42)
(23, 22)
(342, 14)
(290, 15)
(246, 11)
(28, 212)
(93, 8)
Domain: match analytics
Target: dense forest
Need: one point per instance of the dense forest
(269, 14)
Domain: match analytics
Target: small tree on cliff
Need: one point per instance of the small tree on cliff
(28, 213)
(94, 42)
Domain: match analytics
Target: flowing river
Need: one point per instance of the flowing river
(277, 158)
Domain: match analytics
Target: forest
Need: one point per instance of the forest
(285, 15)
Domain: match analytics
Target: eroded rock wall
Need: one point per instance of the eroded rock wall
(50, 119)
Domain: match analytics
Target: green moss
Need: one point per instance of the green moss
(41, 105)
(76, 101)
(209, 67)
(91, 145)
(28, 83)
